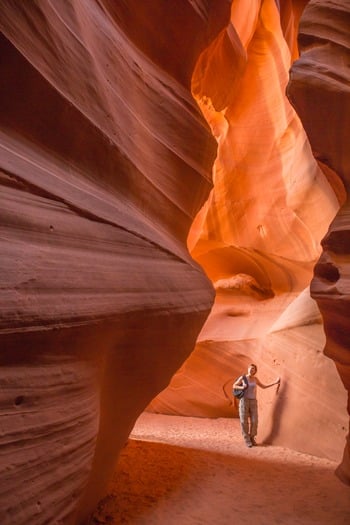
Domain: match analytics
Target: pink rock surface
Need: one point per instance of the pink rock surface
(319, 89)
(105, 166)
(105, 160)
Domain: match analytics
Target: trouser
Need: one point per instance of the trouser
(248, 416)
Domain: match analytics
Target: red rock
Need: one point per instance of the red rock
(105, 173)
(105, 160)
(269, 209)
(319, 90)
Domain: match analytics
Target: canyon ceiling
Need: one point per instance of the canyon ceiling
(174, 205)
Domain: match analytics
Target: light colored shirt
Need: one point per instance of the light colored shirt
(250, 392)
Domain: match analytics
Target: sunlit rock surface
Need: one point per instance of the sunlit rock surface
(258, 236)
(320, 92)
(105, 159)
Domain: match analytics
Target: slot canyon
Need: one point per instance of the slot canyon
(174, 206)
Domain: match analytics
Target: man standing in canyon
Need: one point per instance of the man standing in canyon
(248, 405)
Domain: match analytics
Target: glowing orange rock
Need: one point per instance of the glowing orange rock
(319, 89)
(258, 239)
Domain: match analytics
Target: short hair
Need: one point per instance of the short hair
(252, 364)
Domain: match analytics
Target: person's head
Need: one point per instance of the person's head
(252, 369)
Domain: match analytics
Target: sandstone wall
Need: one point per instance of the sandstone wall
(319, 90)
(258, 236)
(105, 160)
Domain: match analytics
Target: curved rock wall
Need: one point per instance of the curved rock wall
(319, 90)
(258, 238)
(105, 160)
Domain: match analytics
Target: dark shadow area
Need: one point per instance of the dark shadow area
(277, 415)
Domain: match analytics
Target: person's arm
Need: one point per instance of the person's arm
(240, 384)
(259, 383)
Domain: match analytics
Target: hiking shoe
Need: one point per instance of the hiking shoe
(249, 444)
(254, 443)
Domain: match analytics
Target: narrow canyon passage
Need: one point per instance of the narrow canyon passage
(171, 210)
(188, 471)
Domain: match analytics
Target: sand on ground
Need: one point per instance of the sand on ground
(194, 471)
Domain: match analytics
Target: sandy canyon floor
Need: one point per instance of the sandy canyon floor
(193, 471)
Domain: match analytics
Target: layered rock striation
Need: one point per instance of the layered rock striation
(105, 159)
(105, 167)
(319, 90)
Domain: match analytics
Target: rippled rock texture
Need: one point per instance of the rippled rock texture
(258, 236)
(105, 161)
(320, 91)
(112, 116)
